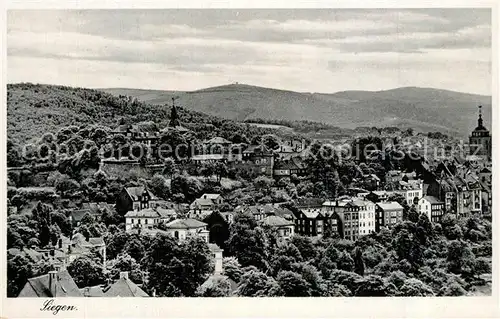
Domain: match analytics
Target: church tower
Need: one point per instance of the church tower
(480, 140)
(174, 117)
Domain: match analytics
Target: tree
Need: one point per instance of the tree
(86, 272)
(116, 243)
(66, 186)
(159, 186)
(176, 269)
(329, 260)
(415, 288)
(292, 284)
(217, 287)
(372, 286)
(135, 247)
(359, 264)
(232, 268)
(453, 289)
(305, 247)
(170, 167)
(62, 221)
(461, 259)
(255, 283)
(270, 141)
(19, 270)
(247, 242)
(345, 261)
(41, 214)
(345, 278)
(124, 262)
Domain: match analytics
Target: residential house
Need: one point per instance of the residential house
(393, 176)
(55, 284)
(93, 209)
(79, 246)
(460, 192)
(255, 160)
(285, 228)
(124, 287)
(148, 217)
(135, 198)
(287, 168)
(201, 159)
(378, 196)
(388, 214)
(181, 229)
(432, 207)
(312, 222)
(366, 216)
(347, 213)
(217, 199)
(207, 202)
(412, 190)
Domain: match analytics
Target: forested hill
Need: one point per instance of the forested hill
(34, 109)
(423, 109)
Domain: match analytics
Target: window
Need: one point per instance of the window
(176, 234)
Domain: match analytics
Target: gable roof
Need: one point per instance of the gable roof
(311, 213)
(78, 214)
(202, 202)
(124, 287)
(137, 191)
(187, 223)
(217, 140)
(276, 221)
(94, 291)
(390, 206)
(432, 200)
(156, 212)
(64, 287)
(207, 157)
(210, 196)
(215, 277)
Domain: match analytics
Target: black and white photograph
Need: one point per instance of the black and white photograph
(333, 152)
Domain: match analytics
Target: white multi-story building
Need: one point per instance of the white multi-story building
(148, 217)
(366, 216)
(411, 191)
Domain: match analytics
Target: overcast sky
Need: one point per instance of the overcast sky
(302, 50)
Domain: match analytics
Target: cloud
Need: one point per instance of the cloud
(305, 50)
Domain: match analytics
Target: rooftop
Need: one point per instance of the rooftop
(432, 200)
(136, 192)
(39, 286)
(390, 206)
(187, 223)
(276, 221)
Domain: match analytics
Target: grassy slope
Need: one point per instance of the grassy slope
(424, 109)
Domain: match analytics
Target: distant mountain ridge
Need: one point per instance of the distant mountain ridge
(424, 109)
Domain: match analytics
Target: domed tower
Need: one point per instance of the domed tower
(480, 139)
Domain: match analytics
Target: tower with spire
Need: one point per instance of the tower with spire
(174, 117)
(480, 139)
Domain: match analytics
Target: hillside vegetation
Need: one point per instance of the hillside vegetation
(424, 109)
(35, 109)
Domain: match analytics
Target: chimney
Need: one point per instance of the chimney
(124, 275)
(52, 282)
